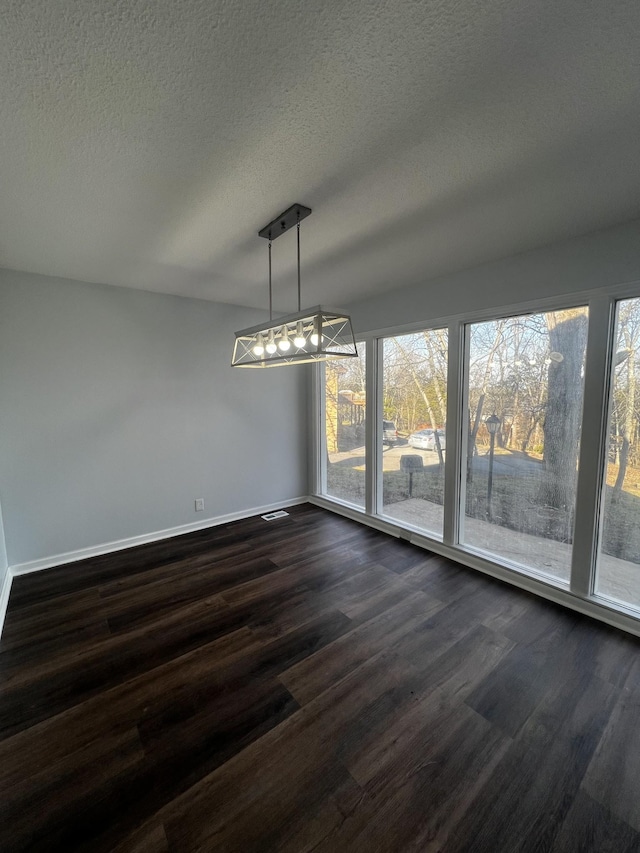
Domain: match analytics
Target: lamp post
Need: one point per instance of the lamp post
(492, 424)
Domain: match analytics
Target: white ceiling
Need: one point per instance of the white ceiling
(145, 143)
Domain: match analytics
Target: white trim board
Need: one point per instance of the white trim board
(355, 514)
(132, 541)
(597, 609)
(4, 597)
(122, 544)
(574, 299)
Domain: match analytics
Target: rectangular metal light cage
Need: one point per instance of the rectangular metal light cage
(327, 334)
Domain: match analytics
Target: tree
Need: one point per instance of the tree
(628, 334)
(567, 343)
(412, 365)
(487, 348)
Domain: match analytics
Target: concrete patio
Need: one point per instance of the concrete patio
(617, 579)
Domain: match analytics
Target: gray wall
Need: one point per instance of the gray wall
(119, 408)
(596, 260)
(3, 553)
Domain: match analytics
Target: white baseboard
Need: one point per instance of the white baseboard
(130, 542)
(596, 608)
(592, 608)
(356, 515)
(121, 544)
(4, 597)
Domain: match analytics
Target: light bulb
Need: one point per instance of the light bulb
(258, 349)
(315, 337)
(284, 343)
(271, 344)
(299, 340)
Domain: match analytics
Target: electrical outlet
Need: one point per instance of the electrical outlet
(199, 504)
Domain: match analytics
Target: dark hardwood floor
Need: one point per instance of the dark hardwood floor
(309, 684)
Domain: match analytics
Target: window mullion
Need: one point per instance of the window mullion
(318, 472)
(592, 444)
(453, 482)
(373, 476)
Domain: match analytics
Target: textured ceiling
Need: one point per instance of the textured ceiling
(145, 143)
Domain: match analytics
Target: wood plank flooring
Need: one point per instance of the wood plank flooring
(309, 684)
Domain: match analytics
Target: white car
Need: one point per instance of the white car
(425, 439)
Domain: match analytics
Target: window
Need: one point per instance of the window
(508, 489)
(414, 395)
(345, 408)
(618, 564)
(524, 389)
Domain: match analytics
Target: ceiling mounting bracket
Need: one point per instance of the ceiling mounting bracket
(281, 224)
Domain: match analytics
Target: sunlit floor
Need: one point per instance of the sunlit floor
(617, 579)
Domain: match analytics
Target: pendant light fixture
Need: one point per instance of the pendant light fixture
(312, 335)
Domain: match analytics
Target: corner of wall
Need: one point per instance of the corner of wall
(5, 575)
(5, 591)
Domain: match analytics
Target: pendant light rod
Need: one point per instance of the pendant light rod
(270, 286)
(316, 334)
(299, 262)
(278, 226)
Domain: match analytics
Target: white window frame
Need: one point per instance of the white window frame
(377, 448)
(579, 594)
